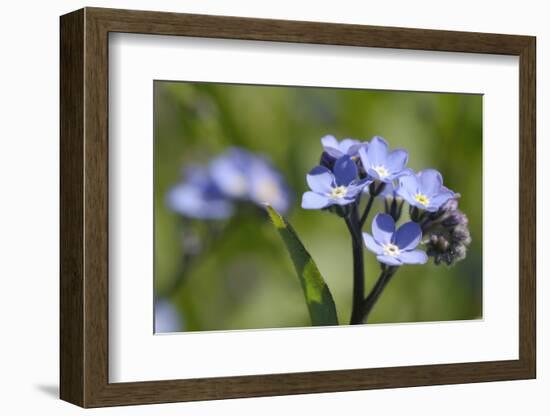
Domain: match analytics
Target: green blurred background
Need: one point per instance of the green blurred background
(244, 278)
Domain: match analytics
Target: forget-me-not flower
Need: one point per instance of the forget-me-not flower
(199, 197)
(242, 175)
(395, 247)
(339, 187)
(230, 172)
(379, 163)
(267, 185)
(424, 190)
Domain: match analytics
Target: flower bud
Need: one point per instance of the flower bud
(448, 236)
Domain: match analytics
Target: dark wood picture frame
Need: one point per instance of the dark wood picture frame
(84, 207)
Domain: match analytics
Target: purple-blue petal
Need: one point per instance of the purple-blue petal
(430, 181)
(372, 245)
(329, 140)
(229, 174)
(196, 202)
(320, 179)
(331, 146)
(396, 161)
(349, 146)
(359, 185)
(377, 151)
(389, 260)
(312, 200)
(364, 156)
(407, 188)
(343, 201)
(383, 227)
(408, 236)
(413, 257)
(345, 170)
(437, 201)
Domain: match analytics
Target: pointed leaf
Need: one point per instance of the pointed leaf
(320, 303)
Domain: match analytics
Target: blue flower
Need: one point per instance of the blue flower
(267, 186)
(242, 175)
(392, 247)
(198, 196)
(338, 188)
(337, 149)
(424, 190)
(380, 164)
(167, 317)
(230, 172)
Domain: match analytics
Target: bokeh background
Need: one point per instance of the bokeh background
(236, 274)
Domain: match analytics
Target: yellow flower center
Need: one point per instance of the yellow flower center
(339, 192)
(382, 171)
(421, 199)
(391, 250)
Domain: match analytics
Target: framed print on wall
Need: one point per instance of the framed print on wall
(259, 207)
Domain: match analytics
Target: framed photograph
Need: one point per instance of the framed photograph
(255, 207)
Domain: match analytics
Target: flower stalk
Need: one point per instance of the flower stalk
(358, 264)
(383, 280)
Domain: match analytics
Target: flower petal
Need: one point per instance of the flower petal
(359, 185)
(377, 151)
(345, 170)
(195, 202)
(408, 236)
(329, 140)
(364, 157)
(343, 201)
(407, 188)
(438, 200)
(396, 161)
(320, 179)
(413, 257)
(312, 200)
(389, 260)
(383, 227)
(430, 181)
(230, 175)
(349, 146)
(372, 245)
(331, 146)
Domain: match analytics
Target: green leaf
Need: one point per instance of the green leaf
(320, 303)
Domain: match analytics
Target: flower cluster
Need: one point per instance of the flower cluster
(211, 191)
(350, 168)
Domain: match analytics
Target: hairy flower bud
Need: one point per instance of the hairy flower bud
(447, 234)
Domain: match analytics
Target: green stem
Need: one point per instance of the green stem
(383, 280)
(358, 265)
(366, 211)
(374, 191)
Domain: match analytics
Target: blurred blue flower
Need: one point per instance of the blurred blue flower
(392, 247)
(198, 196)
(268, 186)
(230, 172)
(337, 149)
(242, 175)
(167, 317)
(340, 187)
(424, 190)
(237, 175)
(380, 164)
